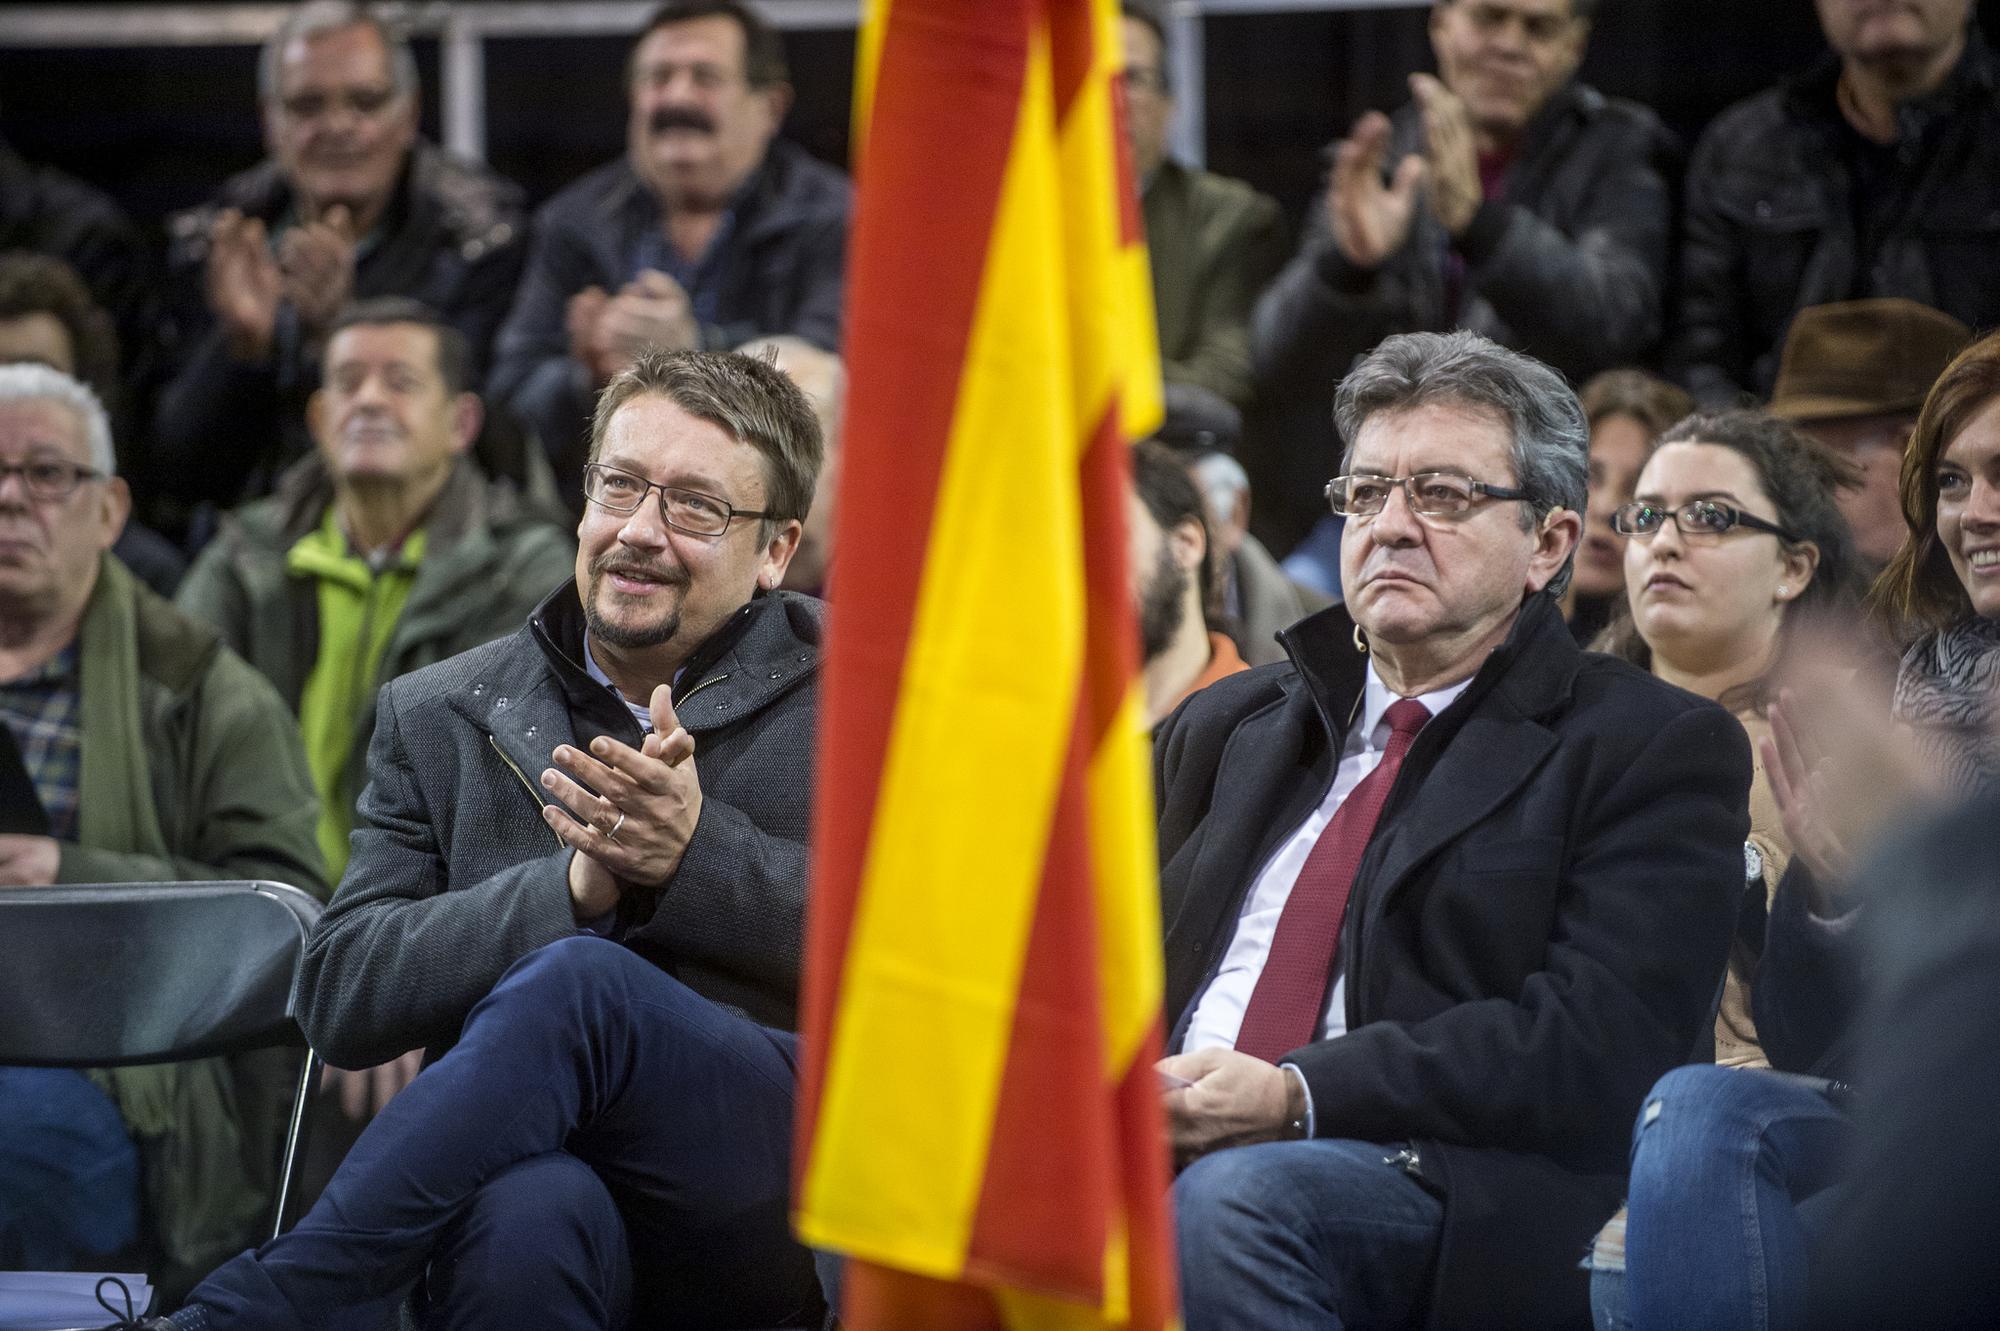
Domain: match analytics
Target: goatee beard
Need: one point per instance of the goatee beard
(626, 637)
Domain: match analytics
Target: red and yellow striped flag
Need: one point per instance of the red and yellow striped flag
(980, 1126)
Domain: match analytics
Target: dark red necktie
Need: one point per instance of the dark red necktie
(1286, 1005)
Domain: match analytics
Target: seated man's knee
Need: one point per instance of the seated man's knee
(574, 977)
(543, 1234)
(1236, 1198)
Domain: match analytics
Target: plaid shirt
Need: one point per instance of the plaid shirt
(43, 709)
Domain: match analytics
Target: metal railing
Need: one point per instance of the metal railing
(462, 29)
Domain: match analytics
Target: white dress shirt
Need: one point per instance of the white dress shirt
(1218, 1013)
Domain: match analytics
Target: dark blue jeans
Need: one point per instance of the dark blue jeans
(69, 1174)
(1733, 1184)
(602, 1146)
(1304, 1236)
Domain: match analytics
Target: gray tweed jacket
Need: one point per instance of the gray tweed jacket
(454, 875)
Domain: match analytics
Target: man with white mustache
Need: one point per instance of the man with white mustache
(710, 231)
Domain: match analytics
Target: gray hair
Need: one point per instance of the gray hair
(30, 381)
(323, 16)
(1551, 439)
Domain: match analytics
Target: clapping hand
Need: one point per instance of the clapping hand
(635, 829)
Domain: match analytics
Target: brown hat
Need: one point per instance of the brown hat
(1863, 358)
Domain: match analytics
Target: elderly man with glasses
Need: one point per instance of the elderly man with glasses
(142, 750)
(578, 880)
(1443, 892)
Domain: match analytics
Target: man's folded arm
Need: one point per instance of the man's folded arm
(1636, 950)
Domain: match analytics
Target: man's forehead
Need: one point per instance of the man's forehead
(353, 52)
(1525, 8)
(39, 423)
(715, 38)
(1142, 44)
(1444, 434)
(402, 343)
(656, 436)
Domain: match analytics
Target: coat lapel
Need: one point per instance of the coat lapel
(1483, 764)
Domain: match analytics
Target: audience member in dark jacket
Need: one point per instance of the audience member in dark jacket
(1529, 208)
(1875, 173)
(635, 763)
(351, 204)
(1532, 934)
(711, 231)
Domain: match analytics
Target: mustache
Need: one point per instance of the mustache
(680, 117)
(612, 561)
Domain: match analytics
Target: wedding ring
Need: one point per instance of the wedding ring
(612, 835)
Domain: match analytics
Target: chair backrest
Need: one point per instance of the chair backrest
(99, 975)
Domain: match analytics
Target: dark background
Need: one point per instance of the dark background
(159, 127)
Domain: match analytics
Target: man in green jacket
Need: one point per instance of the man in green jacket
(385, 551)
(1214, 242)
(155, 754)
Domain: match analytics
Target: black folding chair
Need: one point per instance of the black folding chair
(119, 973)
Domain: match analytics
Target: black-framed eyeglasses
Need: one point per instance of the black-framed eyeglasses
(688, 511)
(1434, 493)
(1698, 518)
(49, 481)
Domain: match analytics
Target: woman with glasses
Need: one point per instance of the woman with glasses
(1733, 541)
(1627, 411)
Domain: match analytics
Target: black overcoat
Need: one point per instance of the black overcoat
(1537, 930)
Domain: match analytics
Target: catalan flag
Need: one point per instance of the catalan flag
(980, 1127)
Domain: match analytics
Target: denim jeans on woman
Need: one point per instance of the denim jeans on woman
(1734, 1180)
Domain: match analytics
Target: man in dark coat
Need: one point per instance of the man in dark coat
(1874, 173)
(1409, 1049)
(606, 1141)
(1506, 197)
(710, 231)
(351, 204)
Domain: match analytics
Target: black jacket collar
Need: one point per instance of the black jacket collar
(765, 649)
(1535, 667)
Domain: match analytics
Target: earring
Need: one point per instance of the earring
(1784, 593)
(1360, 642)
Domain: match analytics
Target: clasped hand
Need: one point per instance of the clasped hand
(636, 826)
(1231, 1099)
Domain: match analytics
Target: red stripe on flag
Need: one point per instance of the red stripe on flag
(1111, 645)
(873, 1295)
(930, 187)
(1072, 47)
(1143, 1170)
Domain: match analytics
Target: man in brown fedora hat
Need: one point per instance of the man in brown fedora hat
(1853, 375)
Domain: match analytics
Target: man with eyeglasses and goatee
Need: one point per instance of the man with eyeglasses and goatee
(1442, 891)
(578, 881)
